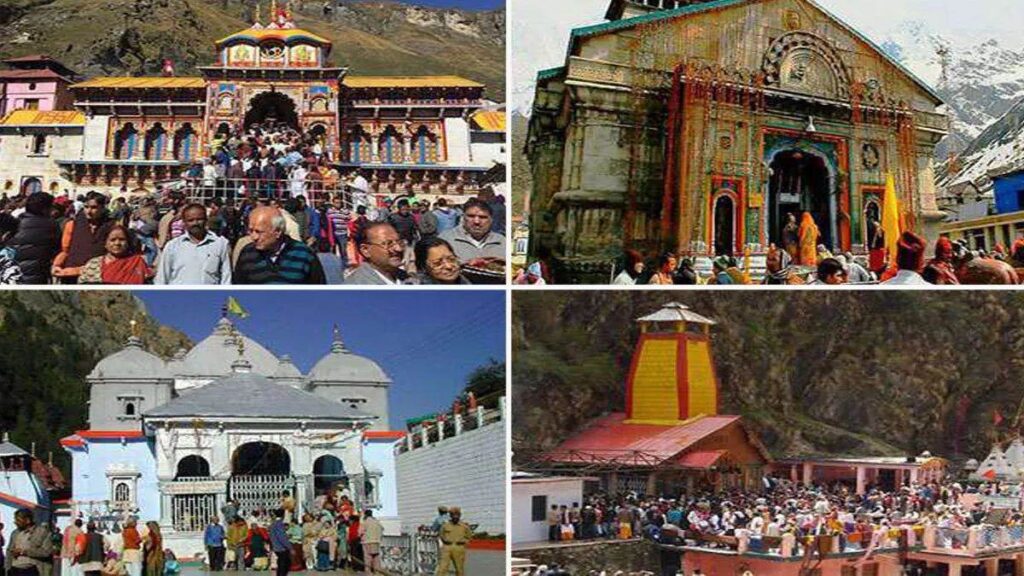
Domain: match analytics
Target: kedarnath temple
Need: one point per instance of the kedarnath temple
(698, 126)
(423, 134)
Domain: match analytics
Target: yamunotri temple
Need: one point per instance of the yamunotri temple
(697, 126)
(419, 134)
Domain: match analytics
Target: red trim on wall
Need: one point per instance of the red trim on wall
(632, 374)
(486, 545)
(682, 378)
(17, 501)
(383, 435)
(109, 434)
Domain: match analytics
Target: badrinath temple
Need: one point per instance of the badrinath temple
(698, 126)
(418, 134)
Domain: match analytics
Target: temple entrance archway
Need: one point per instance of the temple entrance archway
(724, 221)
(801, 182)
(272, 108)
(260, 459)
(328, 471)
(260, 474)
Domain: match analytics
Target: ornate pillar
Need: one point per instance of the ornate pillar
(374, 152)
(406, 149)
(166, 508)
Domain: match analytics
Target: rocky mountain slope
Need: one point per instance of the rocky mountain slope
(132, 37)
(49, 341)
(811, 372)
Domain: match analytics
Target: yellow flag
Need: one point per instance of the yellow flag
(235, 308)
(891, 218)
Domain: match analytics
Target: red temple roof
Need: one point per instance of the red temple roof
(612, 440)
(699, 460)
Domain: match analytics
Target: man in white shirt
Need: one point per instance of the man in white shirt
(196, 257)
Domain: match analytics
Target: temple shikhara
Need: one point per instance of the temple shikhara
(422, 134)
(698, 126)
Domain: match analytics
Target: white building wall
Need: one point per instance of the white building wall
(486, 154)
(467, 471)
(90, 466)
(18, 163)
(559, 491)
(379, 455)
(94, 145)
(456, 133)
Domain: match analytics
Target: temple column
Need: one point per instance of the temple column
(992, 567)
(407, 149)
(794, 476)
(954, 569)
(1018, 565)
(166, 509)
(861, 480)
(808, 473)
(374, 152)
(652, 482)
(913, 475)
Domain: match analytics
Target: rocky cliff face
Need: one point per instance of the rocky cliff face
(133, 37)
(812, 373)
(49, 342)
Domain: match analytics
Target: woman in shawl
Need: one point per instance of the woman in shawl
(809, 235)
(122, 264)
(153, 545)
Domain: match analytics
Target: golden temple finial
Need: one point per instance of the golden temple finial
(135, 327)
(273, 11)
(256, 15)
(287, 10)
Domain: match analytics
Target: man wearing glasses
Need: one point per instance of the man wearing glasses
(383, 253)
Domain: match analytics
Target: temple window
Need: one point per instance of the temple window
(122, 493)
(39, 144)
(426, 146)
(31, 104)
(131, 406)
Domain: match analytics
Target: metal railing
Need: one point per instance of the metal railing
(451, 426)
(202, 189)
(410, 553)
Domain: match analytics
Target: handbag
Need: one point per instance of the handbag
(323, 546)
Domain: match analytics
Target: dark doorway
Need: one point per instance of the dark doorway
(725, 221)
(327, 471)
(259, 459)
(872, 213)
(192, 467)
(799, 183)
(272, 108)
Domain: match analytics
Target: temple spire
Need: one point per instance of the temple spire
(256, 16)
(336, 344)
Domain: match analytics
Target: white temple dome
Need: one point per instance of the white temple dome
(341, 365)
(213, 356)
(131, 363)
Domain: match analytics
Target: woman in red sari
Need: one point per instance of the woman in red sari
(809, 235)
(122, 264)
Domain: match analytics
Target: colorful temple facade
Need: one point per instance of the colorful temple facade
(424, 134)
(698, 126)
(671, 436)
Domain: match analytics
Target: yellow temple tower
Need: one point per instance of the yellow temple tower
(672, 376)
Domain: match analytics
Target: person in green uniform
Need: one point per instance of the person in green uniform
(454, 535)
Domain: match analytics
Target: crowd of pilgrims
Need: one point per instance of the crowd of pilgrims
(271, 205)
(802, 260)
(331, 534)
(786, 508)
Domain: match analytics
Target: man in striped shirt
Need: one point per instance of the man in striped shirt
(273, 257)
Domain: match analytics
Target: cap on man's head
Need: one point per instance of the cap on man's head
(454, 510)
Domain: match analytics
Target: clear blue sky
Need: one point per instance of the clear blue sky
(427, 341)
(464, 4)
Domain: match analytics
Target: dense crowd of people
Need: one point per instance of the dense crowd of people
(165, 239)
(953, 263)
(267, 207)
(785, 508)
(332, 534)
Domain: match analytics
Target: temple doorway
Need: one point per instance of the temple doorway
(260, 473)
(800, 183)
(725, 224)
(272, 109)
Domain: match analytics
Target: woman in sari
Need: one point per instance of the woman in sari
(809, 235)
(153, 545)
(122, 264)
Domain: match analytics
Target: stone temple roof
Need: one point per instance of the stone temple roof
(131, 363)
(212, 357)
(340, 365)
(248, 395)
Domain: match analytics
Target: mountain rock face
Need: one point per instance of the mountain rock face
(133, 37)
(49, 342)
(814, 373)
